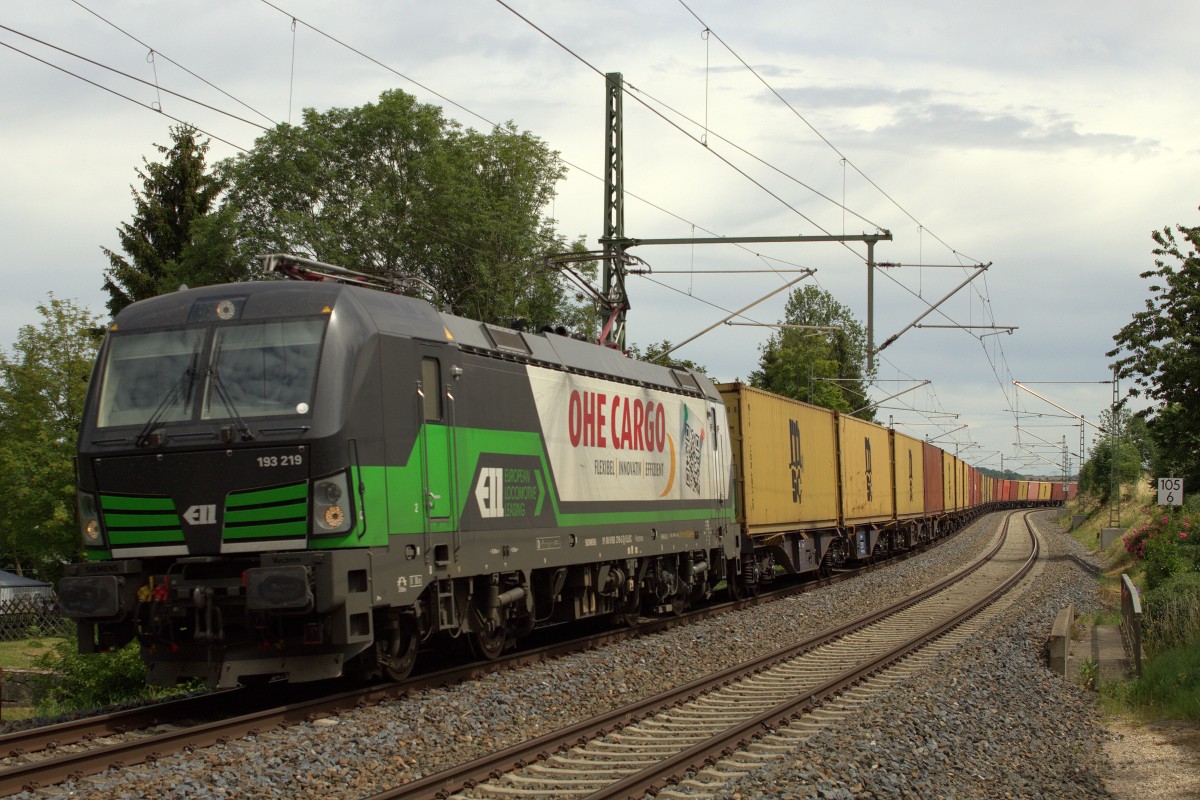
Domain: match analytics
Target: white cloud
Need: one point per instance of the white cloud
(1047, 139)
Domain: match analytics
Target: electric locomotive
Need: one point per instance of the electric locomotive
(309, 478)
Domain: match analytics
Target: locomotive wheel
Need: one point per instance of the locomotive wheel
(733, 579)
(403, 656)
(679, 603)
(631, 613)
(488, 645)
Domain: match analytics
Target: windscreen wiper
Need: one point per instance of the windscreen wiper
(182, 387)
(242, 428)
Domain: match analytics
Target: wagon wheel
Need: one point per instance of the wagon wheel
(488, 645)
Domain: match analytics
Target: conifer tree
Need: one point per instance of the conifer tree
(175, 194)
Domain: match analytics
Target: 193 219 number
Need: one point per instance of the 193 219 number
(267, 462)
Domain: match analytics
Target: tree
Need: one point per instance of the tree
(396, 189)
(176, 197)
(1096, 475)
(825, 368)
(43, 384)
(1160, 350)
(1133, 452)
(653, 351)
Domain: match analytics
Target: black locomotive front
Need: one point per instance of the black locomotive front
(213, 464)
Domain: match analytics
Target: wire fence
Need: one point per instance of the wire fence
(25, 615)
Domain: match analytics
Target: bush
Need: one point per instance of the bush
(1165, 541)
(87, 682)
(1171, 613)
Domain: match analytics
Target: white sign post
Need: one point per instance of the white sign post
(1170, 491)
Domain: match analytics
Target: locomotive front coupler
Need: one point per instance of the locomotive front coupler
(213, 629)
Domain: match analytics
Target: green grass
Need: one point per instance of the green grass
(1107, 616)
(22, 653)
(1169, 687)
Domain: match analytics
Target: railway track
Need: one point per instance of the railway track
(694, 736)
(41, 757)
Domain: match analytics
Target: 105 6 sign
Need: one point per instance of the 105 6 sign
(1170, 491)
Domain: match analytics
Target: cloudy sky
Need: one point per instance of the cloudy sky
(1045, 139)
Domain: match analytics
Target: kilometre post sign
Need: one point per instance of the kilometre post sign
(1170, 491)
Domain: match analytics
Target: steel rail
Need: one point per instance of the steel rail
(63, 766)
(466, 776)
(695, 758)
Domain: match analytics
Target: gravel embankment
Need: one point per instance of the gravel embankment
(994, 722)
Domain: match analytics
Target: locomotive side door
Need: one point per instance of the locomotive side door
(436, 415)
(716, 425)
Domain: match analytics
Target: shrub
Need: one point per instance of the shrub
(87, 682)
(1165, 542)
(1171, 613)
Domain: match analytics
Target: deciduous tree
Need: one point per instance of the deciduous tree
(653, 353)
(825, 368)
(1160, 350)
(395, 188)
(43, 383)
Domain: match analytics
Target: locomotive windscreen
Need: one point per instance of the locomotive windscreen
(259, 369)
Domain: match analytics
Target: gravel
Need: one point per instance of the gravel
(992, 721)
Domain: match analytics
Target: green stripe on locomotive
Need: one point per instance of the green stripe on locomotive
(401, 489)
(275, 512)
(132, 520)
(282, 512)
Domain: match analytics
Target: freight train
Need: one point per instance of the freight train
(312, 478)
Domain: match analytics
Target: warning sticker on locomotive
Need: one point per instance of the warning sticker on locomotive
(609, 441)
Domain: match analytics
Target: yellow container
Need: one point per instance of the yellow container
(1022, 490)
(949, 482)
(785, 454)
(1044, 490)
(909, 474)
(868, 493)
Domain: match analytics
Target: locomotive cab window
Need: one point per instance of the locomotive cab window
(257, 370)
(148, 374)
(431, 387)
(263, 370)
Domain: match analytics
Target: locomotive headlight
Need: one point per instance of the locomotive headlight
(331, 508)
(334, 517)
(89, 520)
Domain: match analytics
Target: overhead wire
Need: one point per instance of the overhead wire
(122, 96)
(810, 126)
(95, 63)
(634, 93)
(173, 62)
(638, 94)
(983, 294)
(477, 115)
